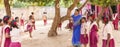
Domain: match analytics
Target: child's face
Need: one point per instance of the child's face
(17, 20)
(83, 20)
(1, 23)
(9, 21)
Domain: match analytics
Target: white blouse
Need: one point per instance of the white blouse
(15, 35)
(108, 29)
(83, 28)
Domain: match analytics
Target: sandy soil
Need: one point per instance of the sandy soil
(63, 39)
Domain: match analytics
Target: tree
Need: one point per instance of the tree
(69, 4)
(57, 19)
(7, 7)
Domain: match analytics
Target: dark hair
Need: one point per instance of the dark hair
(0, 20)
(81, 20)
(105, 19)
(32, 13)
(16, 18)
(5, 19)
(14, 24)
(77, 10)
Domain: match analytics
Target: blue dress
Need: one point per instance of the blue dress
(76, 30)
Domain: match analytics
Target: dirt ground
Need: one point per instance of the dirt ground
(40, 38)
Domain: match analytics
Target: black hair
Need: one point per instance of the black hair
(0, 20)
(32, 13)
(105, 17)
(16, 18)
(5, 19)
(14, 24)
(77, 10)
(81, 20)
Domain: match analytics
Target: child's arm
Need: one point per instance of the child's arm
(108, 39)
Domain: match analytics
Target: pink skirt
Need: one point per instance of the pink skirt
(21, 22)
(111, 43)
(29, 28)
(84, 40)
(15, 44)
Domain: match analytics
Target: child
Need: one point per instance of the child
(6, 39)
(30, 26)
(45, 20)
(93, 32)
(70, 25)
(84, 35)
(15, 35)
(59, 26)
(1, 24)
(17, 20)
(33, 20)
(108, 40)
(21, 20)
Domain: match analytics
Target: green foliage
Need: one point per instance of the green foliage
(39, 2)
(18, 4)
(66, 3)
(104, 3)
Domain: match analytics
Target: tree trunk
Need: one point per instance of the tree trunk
(7, 7)
(56, 21)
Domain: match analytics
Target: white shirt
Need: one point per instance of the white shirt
(108, 29)
(88, 26)
(83, 28)
(15, 35)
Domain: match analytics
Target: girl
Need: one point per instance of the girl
(15, 35)
(115, 21)
(17, 20)
(93, 32)
(21, 20)
(33, 20)
(70, 24)
(108, 40)
(6, 40)
(30, 26)
(84, 35)
(60, 26)
(45, 20)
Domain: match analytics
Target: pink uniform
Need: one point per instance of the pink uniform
(15, 38)
(108, 29)
(30, 26)
(83, 39)
(115, 21)
(93, 35)
(5, 41)
(21, 22)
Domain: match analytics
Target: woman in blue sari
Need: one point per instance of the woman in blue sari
(76, 29)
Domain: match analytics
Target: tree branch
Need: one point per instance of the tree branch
(83, 5)
(67, 16)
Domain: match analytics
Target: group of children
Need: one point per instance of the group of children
(10, 30)
(89, 29)
(85, 31)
